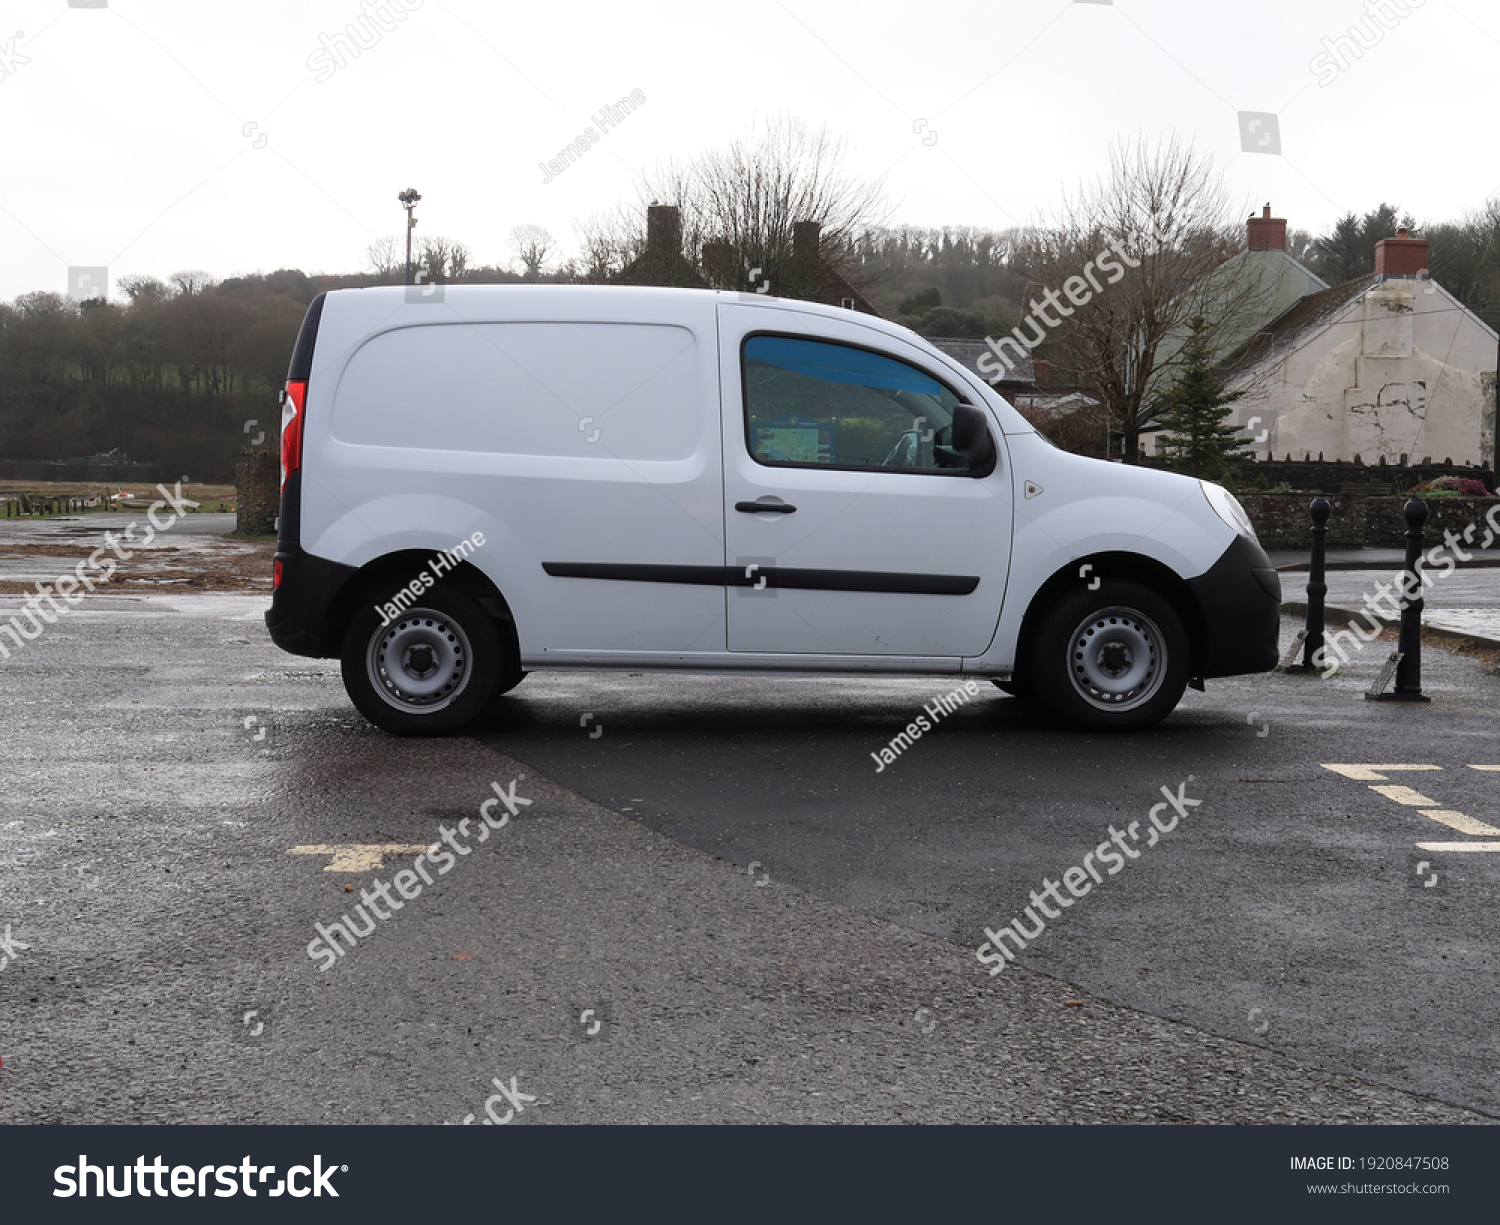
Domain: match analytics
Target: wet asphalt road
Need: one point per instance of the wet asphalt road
(1287, 908)
(1277, 957)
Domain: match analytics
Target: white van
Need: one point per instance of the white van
(482, 481)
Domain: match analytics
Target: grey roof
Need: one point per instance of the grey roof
(1287, 330)
(968, 352)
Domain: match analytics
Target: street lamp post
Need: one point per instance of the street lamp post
(409, 199)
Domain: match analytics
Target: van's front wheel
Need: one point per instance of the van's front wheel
(429, 670)
(1113, 659)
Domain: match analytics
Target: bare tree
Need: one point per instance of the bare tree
(532, 245)
(459, 259)
(206, 326)
(144, 290)
(443, 259)
(190, 281)
(1299, 245)
(751, 192)
(1078, 425)
(1160, 225)
(386, 258)
(1465, 257)
(607, 241)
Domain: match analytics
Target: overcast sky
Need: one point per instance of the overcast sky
(152, 137)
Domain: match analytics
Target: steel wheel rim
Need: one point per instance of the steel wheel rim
(1117, 659)
(420, 662)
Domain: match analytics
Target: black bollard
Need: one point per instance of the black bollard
(1317, 585)
(1409, 648)
(1309, 640)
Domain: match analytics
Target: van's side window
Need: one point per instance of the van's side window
(812, 402)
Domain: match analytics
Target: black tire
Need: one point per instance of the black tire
(1115, 659)
(427, 672)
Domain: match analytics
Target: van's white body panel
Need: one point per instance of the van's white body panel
(605, 425)
(648, 489)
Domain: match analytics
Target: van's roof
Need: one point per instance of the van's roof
(377, 307)
(471, 296)
(352, 314)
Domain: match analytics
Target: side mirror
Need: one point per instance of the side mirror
(972, 438)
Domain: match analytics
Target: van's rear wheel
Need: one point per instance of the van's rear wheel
(426, 672)
(1112, 659)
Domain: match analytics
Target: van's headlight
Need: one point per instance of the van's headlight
(1228, 508)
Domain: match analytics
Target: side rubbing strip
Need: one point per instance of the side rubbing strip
(701, 576)
(771, 576)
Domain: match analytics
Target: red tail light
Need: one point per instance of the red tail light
(292, 401)
(275, 575)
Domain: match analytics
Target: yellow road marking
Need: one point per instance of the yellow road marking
(354, 858)
(1371, 774)
(1405, 795)
(1458, 846)
(1457, 820)
(1463, 823)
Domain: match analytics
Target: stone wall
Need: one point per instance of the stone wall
(1385, 522)
(257, 484)
(1329, 477)
(1282, 520)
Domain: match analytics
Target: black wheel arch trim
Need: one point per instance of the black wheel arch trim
(1239, 605)
(312, 606)
(1232, 612)
(302, 616)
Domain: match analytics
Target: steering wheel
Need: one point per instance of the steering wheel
(904, 454)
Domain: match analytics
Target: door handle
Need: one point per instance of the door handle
(777, 507)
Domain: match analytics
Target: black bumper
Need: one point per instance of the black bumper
(301, 617)
(1239, 606)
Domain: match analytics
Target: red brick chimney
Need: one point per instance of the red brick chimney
(1401, 256)
(1267, 233)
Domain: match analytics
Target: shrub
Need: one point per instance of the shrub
(1450, 487)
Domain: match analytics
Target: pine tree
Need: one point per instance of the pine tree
(1197, 440)
(1340, 256)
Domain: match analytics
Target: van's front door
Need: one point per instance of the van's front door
(874, 539)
